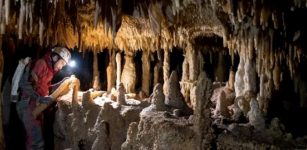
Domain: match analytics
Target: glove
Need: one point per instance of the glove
(14, 98)
(45, 100)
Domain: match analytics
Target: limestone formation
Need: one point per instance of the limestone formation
(118, 68)
(158, 98)
(173, 97)
(96, 79)
(121, 98)
(109, 77)
(239, 79)
(128, 77)
(146, 72)
(255, 116)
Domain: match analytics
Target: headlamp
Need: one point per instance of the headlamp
(72, 63)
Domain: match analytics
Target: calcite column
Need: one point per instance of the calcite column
(96, 82)
(184, 84)
(109, 77)
(118, 68)
(250, 77)
(193, 63)
(157, 68)
(111, 72)
(146, 72)
(239, 81)
(128, 77)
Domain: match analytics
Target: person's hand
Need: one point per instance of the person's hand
(45, 99)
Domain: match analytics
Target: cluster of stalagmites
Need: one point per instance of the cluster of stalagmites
(171, 99)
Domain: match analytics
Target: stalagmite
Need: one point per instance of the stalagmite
(118, 68)
(128, 77)
(173, 96)
(146, 72)
(21, 18)
(96, 79)
(231, 81)
(255, 117)
(158, 98)
(121, 99)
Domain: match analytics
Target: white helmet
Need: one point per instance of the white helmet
(63, 52)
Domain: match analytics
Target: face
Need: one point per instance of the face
(59, 65)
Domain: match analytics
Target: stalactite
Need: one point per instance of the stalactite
(276, 76)
(118, 68)
(2, 21)
(109, 76)
(220, 71)
(128, 77)
(96, 13)
(96, 79)
(7, 11)
(31, 17)
(41, 31)
(21, 18)
(1, 13)
(146, 72)
(157, 68)
(166, 66)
